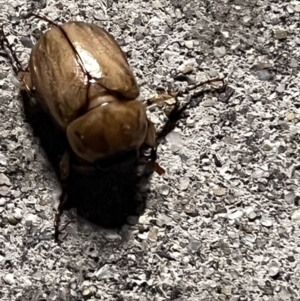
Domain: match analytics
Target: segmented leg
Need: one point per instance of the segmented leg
(24, 76)
(176, 112)
(5, 43)
(173, 118)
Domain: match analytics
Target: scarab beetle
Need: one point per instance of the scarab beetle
(83, 80)
(80, 76)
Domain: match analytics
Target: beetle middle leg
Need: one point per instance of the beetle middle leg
(176, 113)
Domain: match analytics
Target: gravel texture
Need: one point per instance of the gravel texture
(223, 222)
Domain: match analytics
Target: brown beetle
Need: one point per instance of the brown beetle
(87, 87)
(82, 79)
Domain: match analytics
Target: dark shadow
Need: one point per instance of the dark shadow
(108, 197)
(105, 199)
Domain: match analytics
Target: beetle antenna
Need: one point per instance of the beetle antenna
(44, 18)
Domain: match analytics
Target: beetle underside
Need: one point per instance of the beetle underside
(129, 156)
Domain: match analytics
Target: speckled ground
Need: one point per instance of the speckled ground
(223, 222)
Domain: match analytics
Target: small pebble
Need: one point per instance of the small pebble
(184, 183)
(266, 222)
(220, 191)
(3, 160)
(194, 245)
(190, 210)
(290, 116)
(2, 201)
(267, 146)
(297, 8)
(175, 141)
(10, 205)
(4, 180)
(264, 75)
(26, 41)
(259, 173)
(164, 190)
(86, 292)
(4, 190)
(294, 63)
(290, 197)
(152, 235)
(9, 279)
(144, 220)
(251, 214)
(227, 290)
(178, 13)
(213, 72)
(189, 44)
(157, 4)
(290, 9)
(235, 215)
(280, 34)
(296, 216)
(17, 214)
(220, 52)
(273, 268)
(30, 219)
(12, 220)
(188, 69)
(280, 88)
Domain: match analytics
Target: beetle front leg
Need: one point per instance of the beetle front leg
(24, 76)
(5, 43)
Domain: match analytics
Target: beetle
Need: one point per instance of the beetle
(81, 77)
(88, 88)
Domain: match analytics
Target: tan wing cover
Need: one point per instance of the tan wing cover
(57, 77)
(102, 58)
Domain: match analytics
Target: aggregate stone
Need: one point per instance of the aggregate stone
(222, 222)
(9, 279)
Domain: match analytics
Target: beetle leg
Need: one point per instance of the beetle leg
(176, 112)
(25, 81)
(63, 200)
(24, 77)
(5, 43)
(64, 166)
(64, 169)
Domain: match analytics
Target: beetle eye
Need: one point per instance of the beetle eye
(123, 158)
